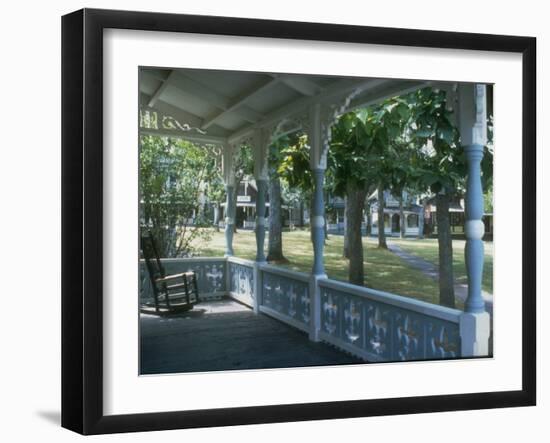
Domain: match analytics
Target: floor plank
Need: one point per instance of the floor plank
(225, 335)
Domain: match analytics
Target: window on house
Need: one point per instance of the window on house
(412, 221)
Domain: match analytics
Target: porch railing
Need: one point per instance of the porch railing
(379, 326)
(371, 324)
(211, 276)
(240, 275)
(285, 295)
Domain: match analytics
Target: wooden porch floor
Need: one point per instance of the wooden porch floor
(225, 335)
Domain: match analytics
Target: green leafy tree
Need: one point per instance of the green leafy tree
(352, 167)
(173, 182)
(443, 165)
(294, 168)
(215, 187)
(443, 171)
(395, 155)
(275, 232)
(294, 199)
(367, 154)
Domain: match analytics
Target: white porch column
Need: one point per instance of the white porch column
(318, 135)
(229, 181)
(472, 115)
(317, 125)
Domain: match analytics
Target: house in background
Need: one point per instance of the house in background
(245, 216)
(420, 215)
(457, 218)
(392, 216)
(412, 212)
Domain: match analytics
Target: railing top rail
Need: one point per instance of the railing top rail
(190, 259)
(422, 307)
(241, 261)
(295, 275)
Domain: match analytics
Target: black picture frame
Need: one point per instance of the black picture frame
(82, 218)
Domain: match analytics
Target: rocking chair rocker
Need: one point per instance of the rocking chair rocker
(172, 293)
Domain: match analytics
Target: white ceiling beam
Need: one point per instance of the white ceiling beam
(239, 101)
(249, 114)
(190, 86)
(158, 93)
(197, 89)
(299, 84)
(335, 89)
(186, 84)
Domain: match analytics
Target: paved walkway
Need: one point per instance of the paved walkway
(431, 270)
(225, 335)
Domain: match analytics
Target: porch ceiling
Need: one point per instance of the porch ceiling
(226, 105)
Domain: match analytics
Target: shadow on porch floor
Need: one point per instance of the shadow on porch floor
(225, 335)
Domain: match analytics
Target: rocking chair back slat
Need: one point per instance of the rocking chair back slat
(151, 255)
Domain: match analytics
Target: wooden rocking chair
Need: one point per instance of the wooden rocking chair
(172, 293)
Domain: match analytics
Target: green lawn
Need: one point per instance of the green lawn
(428, 250)
(383, 269)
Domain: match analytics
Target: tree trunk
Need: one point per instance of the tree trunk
(355, 205)
(238, 179)
(345, 252)
(217, 217)
(275, 241)
(446, 278)
(381, 227)
(402, 220)
(421, 220)
(290, 222)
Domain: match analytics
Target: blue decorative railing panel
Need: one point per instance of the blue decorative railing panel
(211, 278)
(383, 331)
(286, 293)
(241, 280)
(443, 340)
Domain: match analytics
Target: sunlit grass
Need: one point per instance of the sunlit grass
(428, 250)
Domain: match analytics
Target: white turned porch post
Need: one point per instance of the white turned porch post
(261, 141)
(318, 135)
(229, 181)
(472, 117)
(317, 124)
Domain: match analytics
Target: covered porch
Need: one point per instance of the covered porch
(368, 325)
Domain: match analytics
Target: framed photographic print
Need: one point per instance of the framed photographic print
(269, 221)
